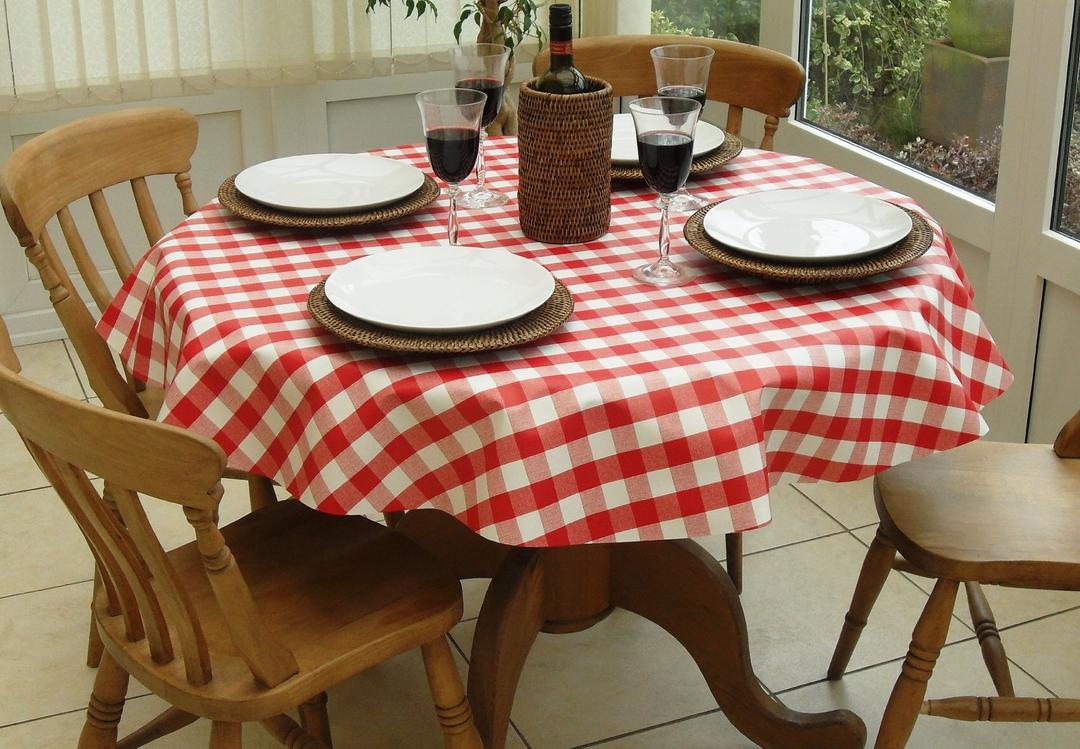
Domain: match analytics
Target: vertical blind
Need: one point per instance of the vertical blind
(57, 53)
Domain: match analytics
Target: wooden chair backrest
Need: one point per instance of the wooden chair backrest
(1067, 444)
(742, 75)
(134, 456)
(79, 160)
(7, 350)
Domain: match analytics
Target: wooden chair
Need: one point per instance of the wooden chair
(320, 598)
(742, 76)
(45, 176)
(983, 514)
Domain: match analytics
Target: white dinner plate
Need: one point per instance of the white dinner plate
(807, 226)
(440, 289)
(329, 182)
(707, 137)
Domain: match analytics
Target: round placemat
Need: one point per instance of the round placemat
(542, 321)
(900, 254)
(245, 207)
(731, 148)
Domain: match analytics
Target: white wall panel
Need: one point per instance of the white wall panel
(1056, 392)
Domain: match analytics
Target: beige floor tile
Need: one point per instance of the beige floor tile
(43, 652)
(795, 518)
(851, 503)
(48, 364)
(40, 545)
(795, 599)
(1048, 650)
(386, 707)
(622, 675)
(473, 592)
(18, 471)
(1011, 606)
(959, 672)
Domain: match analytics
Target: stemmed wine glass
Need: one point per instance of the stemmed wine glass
(683, 70)
(482, 67)
(665, 142)
(451, 118)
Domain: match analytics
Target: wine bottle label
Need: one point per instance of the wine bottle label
(561, 48)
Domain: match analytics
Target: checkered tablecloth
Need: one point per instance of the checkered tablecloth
(651, 414)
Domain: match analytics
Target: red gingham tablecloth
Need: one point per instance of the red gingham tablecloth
(651, 414)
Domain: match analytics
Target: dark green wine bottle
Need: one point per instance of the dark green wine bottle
(562, 77)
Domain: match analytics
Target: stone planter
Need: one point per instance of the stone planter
(962, 93)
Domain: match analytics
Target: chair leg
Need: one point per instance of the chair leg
(451, 702)
(261, 492)
(315, 720)
(733, 541)
(106, 706)
(225, 735)
(875, 571)
(94, 646)
(170, 721)
(982, 620)
(907, 695)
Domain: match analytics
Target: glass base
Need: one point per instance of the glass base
(683, 202)
(662, 273)
(477, 198)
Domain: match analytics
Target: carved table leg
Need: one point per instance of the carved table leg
(510, 619)
(675, 584)
(679, 586)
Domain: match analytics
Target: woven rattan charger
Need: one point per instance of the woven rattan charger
(910, 248)
(537, 324)
(244, 207)
(731, 147)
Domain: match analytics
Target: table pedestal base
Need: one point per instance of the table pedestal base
(675, 584)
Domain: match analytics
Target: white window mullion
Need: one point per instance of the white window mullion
(1038, 69)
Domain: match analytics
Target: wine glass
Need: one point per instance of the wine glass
(665, 142)
(683, 70)
(482, 67)
(451, 118)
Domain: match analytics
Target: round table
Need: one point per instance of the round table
(574, 470)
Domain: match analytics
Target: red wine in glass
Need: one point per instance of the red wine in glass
(452, 152)
(686, 92)
(665, 159)
(493, 87)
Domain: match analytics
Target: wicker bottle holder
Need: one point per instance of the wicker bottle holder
(564, 191)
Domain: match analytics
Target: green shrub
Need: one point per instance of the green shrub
(737, 20)
(867, 54)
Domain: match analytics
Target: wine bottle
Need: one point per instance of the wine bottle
(562, 77)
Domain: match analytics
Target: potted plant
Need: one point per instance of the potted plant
(963, 77)
(508, 22)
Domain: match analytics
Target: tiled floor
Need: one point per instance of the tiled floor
(623, 684)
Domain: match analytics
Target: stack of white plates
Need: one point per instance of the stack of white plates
(707, 138)
(440, 289)
(329, 182)
(807, 226)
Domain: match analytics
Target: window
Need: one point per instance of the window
(1068, 192)
(738, 20)
(55, 54)
(919, 81)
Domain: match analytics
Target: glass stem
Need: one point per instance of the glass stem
(452, 225)
(665, 232)
(481, 168)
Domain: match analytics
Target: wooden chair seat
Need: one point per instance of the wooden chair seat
(341, 593)
(996, 513)
(984, 514)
